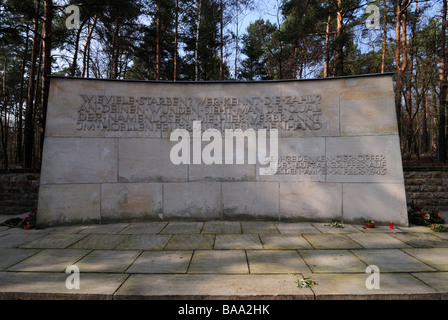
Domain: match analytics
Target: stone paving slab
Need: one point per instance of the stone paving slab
(436, 280)
(377, 241)
(218, 262)
(258, 227)
(11, 256)
(144, 228)
(191, 242)
(222, 227)
(161, 262)
(28, 285)
(13, 240)
(392, 260)
(50, 260)
(284, 241)
(296, 228)
(144, 242)
(100, 241)
(238, 241)
(105, 228)
(112, 261)
(54, 240)
(331, 241)
(326, 228)
(434, 257)
(393, 286)
(422, 239)
(332, 261)
(276, 261)
(179, 227)
(212, 287)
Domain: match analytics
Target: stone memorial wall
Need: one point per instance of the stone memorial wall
(308, 150)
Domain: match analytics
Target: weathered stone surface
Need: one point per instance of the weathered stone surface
(69, 203)
(192, 200)
(76, 160)
(361, 201)
(131, 200)
(310, 201)
(110, 153)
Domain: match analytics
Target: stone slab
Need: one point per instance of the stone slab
(109, 261)
(377, 241)
(327, 228)
(69, 204)
(360, 202)
(11, 256)
(50, 260)
(331, 241)
(276, 261)
(182, 227)
(332, 261)
(222, 227)
(421, 240)
(191, 242)
(310, 201)
(367, 106)
(238, 241)
(64, 161)
(100, 241)
(438, 281)
(392, 260)
(131, 200)
(241, 200)
(259, 227)
(144, 228)
(161, 262)
(216, 286)
(144, 242)
(192, 200)
(139, 162)
(55, 240)
(284, 241)
(296, 228)
(49, 286)
(395, 286)
(434, 257)
(219, 262)
(112, 228)
(13, 240)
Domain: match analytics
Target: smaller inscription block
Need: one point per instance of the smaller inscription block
(146, 150)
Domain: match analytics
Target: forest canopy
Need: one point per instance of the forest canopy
(205, 40)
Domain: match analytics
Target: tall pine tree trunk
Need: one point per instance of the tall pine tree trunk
(85, 56)
(29, 113)
(46, 64)
(442, 156)
(158, 41)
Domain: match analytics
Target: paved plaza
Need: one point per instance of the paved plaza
(222, 260)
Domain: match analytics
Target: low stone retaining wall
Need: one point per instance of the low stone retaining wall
(18, 191)
(427, 187)
(424, 187)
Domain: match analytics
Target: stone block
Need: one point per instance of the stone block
(250, 199)
(148, 160)
(367, 106)
(131, 201)
(195, 200)
(364, 159)
(69, 204)
(382, 202)
(76, 160)
(64, 108)
(310, 201)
